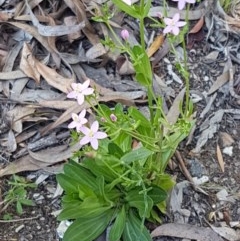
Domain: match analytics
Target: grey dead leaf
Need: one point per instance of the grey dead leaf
(220, 158)
(28, 163)
(96, 51)
(212, 56)
(186, 231)
(28, 64)
(59, 30)
(53, 78)
(207, 108)
(42, 39)
(124, 66)
(226, 232)
(16, 74)
(11, 142)
(221, 80)
(175, 203)
(57, 104)
(17, 115)
(37, 95)
(174, 111)
(70, 21)
(210, 127)
(54, 154)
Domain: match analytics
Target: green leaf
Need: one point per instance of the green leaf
(69, 184)
(137, 115)
(147, 8)
(141, 153)
(27, 202)
(118, 226)
(80, 174)
(130, 10)
(140, 59)
(87, 229)
(19, 207)
(102, 165)
(142, 202)
(115, 150)
(157, 194)
(90, 210)
(133, 229)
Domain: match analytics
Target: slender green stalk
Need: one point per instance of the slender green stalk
(142, 25)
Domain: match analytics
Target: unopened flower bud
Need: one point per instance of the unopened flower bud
(125, 34)
(113, 117)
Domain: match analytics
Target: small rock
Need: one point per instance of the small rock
(206, 78)
(228, 150)
(196, 168)
(19, 228)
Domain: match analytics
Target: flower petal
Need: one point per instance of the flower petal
(85, 130)
(72, 125)
(72, 94)
(82, 114)
(167, 21)
(74, 86)
(190, 1)
(181, 4)
(176, 17)
(94, 144)
(85, 84)
(85, 140)
(80, 98)
(95, 126)
(100, 135)
(175, 30)
(168, 29)
(180, 24)
(88, 91)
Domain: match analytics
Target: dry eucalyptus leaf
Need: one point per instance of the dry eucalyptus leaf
(17, 115)
(173, 113)
(96, 51)
(11, 142)
(221, 80)
(28, 163)
(59, 30)
(226, 139)
(220, 158)
(156, 44)
(16, 74)
(70, 21)
(186, 231)
(124, 66)
(226, 232)
(28, 64)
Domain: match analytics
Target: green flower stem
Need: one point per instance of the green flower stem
(142, 25)
(185, 66)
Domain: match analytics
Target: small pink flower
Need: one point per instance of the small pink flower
(78, 120)
(113, 118)
(125, 34)
(173, 24)
(92, 135)
(128, 2)
(182, 3)
(80, 90)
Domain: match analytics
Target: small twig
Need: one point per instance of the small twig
(185, 171)
(19, 220)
